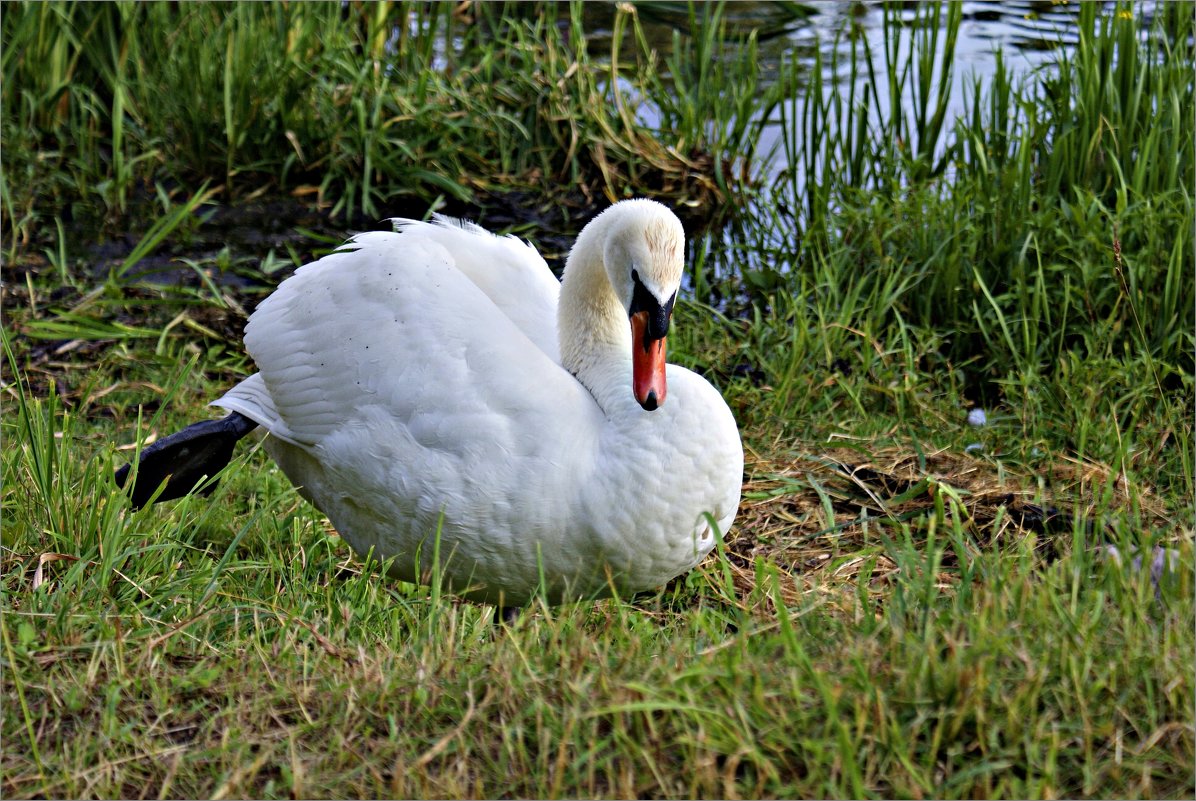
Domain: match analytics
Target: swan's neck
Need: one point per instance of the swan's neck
(592, 325)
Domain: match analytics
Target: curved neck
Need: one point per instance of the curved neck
(592, 325)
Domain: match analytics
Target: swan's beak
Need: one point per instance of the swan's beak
(647, 359)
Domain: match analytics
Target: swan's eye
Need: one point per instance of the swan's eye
(658, 313)
(643, 300)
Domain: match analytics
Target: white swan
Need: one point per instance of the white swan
(428, 393)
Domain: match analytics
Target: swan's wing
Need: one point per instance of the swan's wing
(391, 321)
(415, 401)
(508, 270)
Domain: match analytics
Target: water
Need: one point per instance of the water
(1029, 33)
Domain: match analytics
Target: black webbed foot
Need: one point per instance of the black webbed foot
(184, 458)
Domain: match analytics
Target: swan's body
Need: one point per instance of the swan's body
(412, 388)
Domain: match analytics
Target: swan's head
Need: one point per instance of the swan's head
(644, 255)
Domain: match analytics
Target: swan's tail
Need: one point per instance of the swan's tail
(184, 459)
(252, 398)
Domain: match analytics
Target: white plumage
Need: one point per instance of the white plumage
(412, 383)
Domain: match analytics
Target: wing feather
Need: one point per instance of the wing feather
(508, 270)
(391, 320)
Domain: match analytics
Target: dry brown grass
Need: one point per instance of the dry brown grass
(822, 516)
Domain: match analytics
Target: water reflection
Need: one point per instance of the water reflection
(1028, 32)
(1030, 29)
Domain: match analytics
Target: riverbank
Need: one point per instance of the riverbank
(960, 353)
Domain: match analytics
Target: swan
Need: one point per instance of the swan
(447, 403)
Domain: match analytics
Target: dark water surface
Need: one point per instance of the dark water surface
(1022, 37)
(1029, 34)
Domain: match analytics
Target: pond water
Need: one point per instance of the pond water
(1027, 32)
(1028, 35)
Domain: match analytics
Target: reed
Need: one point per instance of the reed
(1053, 217)
(355, 106)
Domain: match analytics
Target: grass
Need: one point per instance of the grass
(882, 622)
(368, 105)
(907, 606)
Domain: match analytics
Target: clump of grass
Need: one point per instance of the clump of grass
(352, 107)
(1030, 227)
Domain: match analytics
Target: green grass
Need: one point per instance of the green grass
(353, 107)
(230, 645)
(1052, 217)
(897, 612)
(233, 646)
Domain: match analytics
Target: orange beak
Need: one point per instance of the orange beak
(647, 364)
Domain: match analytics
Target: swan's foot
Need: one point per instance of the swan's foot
(184, 458)
(506, 615)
